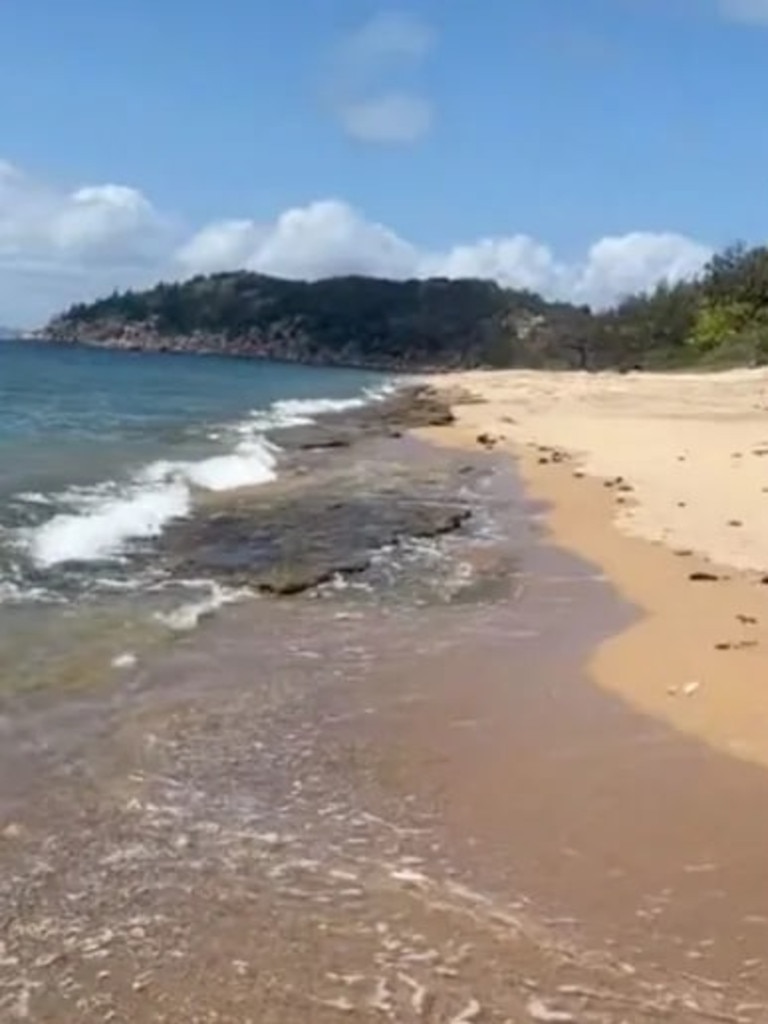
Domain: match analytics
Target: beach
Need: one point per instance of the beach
(661, 481)
(422, 776)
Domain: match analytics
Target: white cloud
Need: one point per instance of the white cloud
(620, 265)
(362, 96)
(754, 12)
(330, 237)
(224, 245)
(58, 246)
(388, 36)
(395, 117)
(322, 239)
(85, 225)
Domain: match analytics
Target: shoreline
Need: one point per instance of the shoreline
(695, 656)
(425, 802)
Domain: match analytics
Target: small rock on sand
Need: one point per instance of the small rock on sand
(540, 1012)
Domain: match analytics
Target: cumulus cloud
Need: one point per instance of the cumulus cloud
(753, 12)
(83, 226)
(395, 117)
(330, 237)
(365, 91)
(58, 246)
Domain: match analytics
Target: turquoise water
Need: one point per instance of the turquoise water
(100, 450)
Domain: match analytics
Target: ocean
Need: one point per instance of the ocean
(99, 451)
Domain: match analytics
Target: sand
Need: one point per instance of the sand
(655, 479)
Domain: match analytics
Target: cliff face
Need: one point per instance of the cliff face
(352, 321)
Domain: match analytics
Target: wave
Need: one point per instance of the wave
(100, 533)
(302, 412)
(158, 494)
(101, 522)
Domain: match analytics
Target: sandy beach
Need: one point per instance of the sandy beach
(662, 481)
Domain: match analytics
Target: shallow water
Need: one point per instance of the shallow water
(99, 452)
(422, 804)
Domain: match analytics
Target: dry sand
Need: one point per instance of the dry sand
(655, 478)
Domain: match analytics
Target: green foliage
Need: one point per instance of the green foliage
(719, 322)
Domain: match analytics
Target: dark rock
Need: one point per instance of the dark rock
(747, 620)
(284, 543)
(703, 577)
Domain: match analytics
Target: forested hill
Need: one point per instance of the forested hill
(719, 319)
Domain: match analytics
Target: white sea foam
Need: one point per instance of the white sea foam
(187, 616)
(252, 462)
(101, 532)
(301, 412)
(125, 660)
(99, 522)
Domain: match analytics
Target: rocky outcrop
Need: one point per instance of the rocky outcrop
(353, 321)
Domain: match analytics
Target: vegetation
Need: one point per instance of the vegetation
(721, 318)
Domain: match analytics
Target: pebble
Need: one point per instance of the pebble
(471, 1012)
(539, 1011)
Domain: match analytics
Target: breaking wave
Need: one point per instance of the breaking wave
(100, 523)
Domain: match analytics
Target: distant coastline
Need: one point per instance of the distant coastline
(437, 324)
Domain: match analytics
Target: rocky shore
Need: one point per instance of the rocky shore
(348, 487)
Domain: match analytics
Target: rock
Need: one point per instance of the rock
(486, 440)
(747, 620)
(735, 522)
(703, 577)
(690, 688)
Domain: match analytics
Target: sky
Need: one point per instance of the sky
(582, 148)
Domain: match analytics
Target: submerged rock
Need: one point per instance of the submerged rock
(286, 546)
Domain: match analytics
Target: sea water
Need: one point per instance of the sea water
(100, 451)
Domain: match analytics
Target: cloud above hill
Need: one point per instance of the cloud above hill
(63, 245)
(372, 82)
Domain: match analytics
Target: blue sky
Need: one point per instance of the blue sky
(507, 137)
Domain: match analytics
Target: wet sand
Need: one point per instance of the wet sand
(334, 807)
(660, 480)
